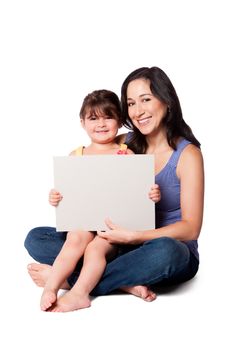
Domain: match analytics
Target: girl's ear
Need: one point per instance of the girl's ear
(82, 123)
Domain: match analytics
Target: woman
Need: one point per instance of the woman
(167, 254)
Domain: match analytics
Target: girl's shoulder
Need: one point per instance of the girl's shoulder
(77, 152)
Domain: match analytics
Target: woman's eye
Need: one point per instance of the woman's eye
(146, 100)
(130, 104)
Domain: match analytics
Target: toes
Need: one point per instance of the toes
(33, 275)
(36, 279)
(33, 266)
(151, 296)
(37, 267)
(45, 307)
(146, 294)
(56, 308)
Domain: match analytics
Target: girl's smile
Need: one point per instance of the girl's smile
(101, 129)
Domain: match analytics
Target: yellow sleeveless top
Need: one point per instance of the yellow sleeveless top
(122, 150)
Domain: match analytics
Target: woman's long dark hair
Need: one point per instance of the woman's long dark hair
(162, 88)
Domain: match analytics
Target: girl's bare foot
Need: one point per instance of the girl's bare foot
(71, 301)
(40, 273)
(48, 298)
(141, 292)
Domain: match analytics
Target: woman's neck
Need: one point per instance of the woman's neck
(157, 143)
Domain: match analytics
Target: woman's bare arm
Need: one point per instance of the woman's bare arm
(190, 170)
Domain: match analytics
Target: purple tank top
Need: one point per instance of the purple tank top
(168, 208)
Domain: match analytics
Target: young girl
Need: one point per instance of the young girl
(101, 118)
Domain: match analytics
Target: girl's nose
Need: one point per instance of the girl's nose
(101, 122)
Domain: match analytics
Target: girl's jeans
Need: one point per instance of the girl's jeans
(161, 261)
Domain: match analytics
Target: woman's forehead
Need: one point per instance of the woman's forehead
(138, 87)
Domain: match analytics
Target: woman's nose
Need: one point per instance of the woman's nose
(138, 110)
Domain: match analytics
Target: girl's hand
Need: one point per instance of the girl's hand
(54, 197)
(154, 193)
(117, 234)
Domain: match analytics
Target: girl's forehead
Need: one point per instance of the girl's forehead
(96, 111)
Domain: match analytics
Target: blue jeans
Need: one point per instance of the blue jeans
(161, 261)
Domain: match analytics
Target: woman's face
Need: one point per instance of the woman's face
(145, 110)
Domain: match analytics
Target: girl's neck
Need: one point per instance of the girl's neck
(102, 147)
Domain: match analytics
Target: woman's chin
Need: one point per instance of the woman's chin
(145, 130)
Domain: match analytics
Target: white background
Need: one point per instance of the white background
(52, 54)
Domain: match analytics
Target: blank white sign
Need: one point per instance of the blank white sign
(109, 186)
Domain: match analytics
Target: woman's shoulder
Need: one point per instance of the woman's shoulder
(191, 151)
(190, 158)
(187, 148)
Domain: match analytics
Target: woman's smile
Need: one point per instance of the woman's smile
(144, 109)
(144, 121)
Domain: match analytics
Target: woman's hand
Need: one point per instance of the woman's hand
(117, 234)
(54, 197)
(154, 193)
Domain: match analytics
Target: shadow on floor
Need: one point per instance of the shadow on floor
(175, 288)
(166, 289)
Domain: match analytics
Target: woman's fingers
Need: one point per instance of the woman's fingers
(110, 224)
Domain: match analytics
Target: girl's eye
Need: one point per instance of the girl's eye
(92, 117)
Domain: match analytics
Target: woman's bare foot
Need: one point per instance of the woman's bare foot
(48, 298)
(39, 274)
(71, 301)
(141, 292)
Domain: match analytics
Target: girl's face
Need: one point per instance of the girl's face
(145, 110)
(100, 128)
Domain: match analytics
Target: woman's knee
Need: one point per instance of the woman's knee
(39, 236)
(162, 243)
(44, 243)
(170, 250)
(32, 236)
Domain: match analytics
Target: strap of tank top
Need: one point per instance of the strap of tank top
(123, 147)
(176, 154)
(79, 151)
(129, 136)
